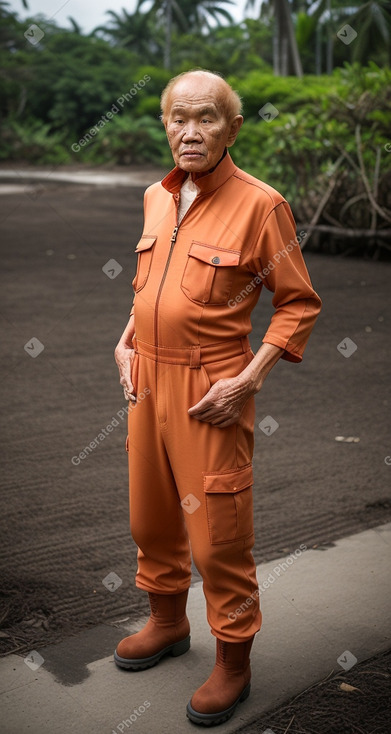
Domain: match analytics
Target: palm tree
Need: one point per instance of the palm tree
(76, 28)
(131, 30)
(200, 13)
(188, 15)
(327, 15)
(374, 21)
(285, 47)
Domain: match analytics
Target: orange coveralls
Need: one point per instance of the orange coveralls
(195, 288)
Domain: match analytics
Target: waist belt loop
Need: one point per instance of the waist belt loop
(195, 357)
(244, 343)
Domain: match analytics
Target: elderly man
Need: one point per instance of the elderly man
(213, 236)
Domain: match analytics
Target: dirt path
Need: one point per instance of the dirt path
(354, 702)
(64, 526)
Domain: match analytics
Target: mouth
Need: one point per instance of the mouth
(191, 154)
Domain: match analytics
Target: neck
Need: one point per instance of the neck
(198, 174)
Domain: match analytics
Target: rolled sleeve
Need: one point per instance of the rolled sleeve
(278, 260)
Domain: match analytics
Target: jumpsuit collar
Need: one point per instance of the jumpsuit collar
(207, 183)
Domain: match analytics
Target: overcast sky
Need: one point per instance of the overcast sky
(90, 13)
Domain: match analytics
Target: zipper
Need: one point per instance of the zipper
(172, 240)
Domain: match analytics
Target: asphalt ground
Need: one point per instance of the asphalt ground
(322, 475)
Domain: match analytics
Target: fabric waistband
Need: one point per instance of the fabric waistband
(193, 356)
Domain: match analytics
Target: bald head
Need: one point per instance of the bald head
(226, 99)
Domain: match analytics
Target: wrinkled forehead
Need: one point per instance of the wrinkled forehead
(194, 92)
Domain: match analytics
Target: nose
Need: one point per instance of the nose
(191, 132)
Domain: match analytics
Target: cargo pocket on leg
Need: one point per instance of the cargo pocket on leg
(229, 506)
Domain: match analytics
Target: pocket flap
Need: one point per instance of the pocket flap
(231, 481)
(214, 255)
(146, 242)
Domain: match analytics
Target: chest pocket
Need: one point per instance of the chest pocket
(209, 273)
(145, 250)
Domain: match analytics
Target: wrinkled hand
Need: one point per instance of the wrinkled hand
(223, 403)
(124, 358)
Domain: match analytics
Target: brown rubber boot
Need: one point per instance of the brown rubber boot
(166, 633)
(229, 683)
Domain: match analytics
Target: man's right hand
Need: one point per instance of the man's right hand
(124, 357)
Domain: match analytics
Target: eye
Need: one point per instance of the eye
(178, 121)
(205, 120)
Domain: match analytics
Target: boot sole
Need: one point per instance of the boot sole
(178, 648)
(221, 716)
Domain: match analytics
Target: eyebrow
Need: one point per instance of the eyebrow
(203, 111)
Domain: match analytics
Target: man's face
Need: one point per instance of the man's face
(196, 127)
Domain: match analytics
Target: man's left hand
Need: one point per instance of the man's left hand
(223, 403)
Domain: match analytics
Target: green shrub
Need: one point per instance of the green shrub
(295, 152)
(126, 140)
(32, 142)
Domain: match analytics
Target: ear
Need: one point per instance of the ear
(164, 123)
(236, 124)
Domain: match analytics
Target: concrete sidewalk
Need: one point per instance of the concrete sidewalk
(322, 611)
(14, 181)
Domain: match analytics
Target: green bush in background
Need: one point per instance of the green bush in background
(128, 141)
(317, 121)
